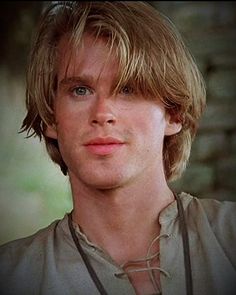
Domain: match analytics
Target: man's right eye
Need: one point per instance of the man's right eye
(81, 90)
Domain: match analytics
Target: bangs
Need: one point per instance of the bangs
(134, 56)
(148, 60)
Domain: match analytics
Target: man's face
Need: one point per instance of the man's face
(106, 140)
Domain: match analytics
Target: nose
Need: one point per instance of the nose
(102, 113)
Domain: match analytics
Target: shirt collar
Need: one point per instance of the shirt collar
(168, 214)
(171, 211)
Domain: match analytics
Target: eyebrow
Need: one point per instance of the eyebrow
(83, 79)
(86, 79)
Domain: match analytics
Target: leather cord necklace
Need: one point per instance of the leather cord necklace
(185, 239)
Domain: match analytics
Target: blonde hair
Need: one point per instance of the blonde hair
(151, 55)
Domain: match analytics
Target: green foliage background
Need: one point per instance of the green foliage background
(33, 191)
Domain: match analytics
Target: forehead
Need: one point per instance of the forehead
(91, 56)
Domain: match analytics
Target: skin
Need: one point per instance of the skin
(124, 189)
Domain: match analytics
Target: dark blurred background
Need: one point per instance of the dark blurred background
(33, 192)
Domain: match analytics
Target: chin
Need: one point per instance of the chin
(104, 185)
(105, 181)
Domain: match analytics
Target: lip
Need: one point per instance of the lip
(104, 140)
(103, 145)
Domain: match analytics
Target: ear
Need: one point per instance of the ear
(51, 131)
(173, 125)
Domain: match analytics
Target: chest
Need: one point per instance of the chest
(146, 282)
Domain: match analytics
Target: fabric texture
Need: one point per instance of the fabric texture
(48, 262)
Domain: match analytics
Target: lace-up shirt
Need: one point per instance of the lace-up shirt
(49, 263)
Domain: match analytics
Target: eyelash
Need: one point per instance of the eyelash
(126, 90)
(130, 89)
(74, 89)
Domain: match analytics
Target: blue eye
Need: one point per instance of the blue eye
(81, 90)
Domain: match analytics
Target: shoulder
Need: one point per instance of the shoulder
(217, 212)
(24, 262)
(214, 221)
(221, 216)
(38, 237)
(32, 247)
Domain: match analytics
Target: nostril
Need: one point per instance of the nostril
(103, 119)
(102, 122)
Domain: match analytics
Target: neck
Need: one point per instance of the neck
(119, 218)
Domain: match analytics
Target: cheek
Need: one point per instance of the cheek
(69, 118)
(151, 122)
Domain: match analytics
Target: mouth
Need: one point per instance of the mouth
(104, 145)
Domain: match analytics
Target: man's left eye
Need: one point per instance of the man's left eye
(81, 90)
(127, 90)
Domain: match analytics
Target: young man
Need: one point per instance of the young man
(116, 96)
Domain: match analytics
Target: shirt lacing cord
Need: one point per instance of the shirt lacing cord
(150, 269)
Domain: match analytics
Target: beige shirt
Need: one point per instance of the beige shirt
(49, 263)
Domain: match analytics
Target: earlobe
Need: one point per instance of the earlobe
(51, 131)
